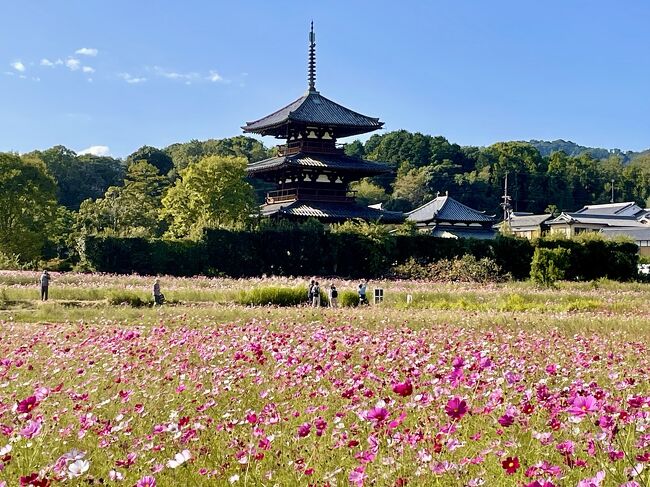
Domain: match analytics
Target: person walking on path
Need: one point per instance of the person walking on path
(158, 297)
(333, 297)
(315, 290)
(362, 292)
(45, 284)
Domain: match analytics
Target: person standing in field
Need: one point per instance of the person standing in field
(45, 284)
(362, 292)
(310, 293)
(157, 295)
(316, 295)
(333, 297)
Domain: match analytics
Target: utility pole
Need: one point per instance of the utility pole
(506, 203)
(612, 200)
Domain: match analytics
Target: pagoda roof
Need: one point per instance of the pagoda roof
(339, 163)
(447, 209)
(331, 212)
(313, 109)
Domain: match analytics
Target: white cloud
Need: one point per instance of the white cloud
(187, 77)
(18, 66)
(131, 79)
(73, 64)
(47, 62)
(96, 150)
(87, 51)
(58, 62)
(87, 69)
(214, 77)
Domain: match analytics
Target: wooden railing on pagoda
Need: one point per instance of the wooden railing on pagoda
(309, 194)
(307, 146)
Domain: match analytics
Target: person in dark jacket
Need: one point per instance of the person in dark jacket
(45, 284)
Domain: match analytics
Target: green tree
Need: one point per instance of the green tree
(27, 205)
(368, 193)
(79, 177)
(193, 151)
(210, 193)
(129, 210)
(156, 157)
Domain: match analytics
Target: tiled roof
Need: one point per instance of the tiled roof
(445, 208)
(331, 211)
(525, 221)
(628, 208)
(604, 220)
(340, 163)
(637, 233)
(314, 108)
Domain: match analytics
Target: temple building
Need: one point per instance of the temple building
(311, 171)
(445, 217)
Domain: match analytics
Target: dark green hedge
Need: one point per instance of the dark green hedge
(303, 252)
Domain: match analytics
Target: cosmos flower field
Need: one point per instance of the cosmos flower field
(198, 394)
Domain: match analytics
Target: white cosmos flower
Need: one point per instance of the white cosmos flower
(77, 468)
(233, 479)
(5, 449)
(179, 459)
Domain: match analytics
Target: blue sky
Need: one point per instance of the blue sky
(125, 73)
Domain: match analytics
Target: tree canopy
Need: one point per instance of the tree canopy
(210, 193)
(27, 205)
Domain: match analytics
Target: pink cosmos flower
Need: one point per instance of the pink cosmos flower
(357, 476)
(32, 429)
(303, 430)
(404, 389)
(26, 405)
(506, 420)
(594, 481)
(456, 408)
(146, 481)
(583, 405)
(376, 414)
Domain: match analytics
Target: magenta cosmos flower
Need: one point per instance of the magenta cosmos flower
(376, 414)
(456, 408)
(26, 405)
(403, 388)
(583, 405)
(146, 481)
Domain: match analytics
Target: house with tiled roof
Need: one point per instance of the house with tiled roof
(445, 217)
(594, 218)
(526, 225)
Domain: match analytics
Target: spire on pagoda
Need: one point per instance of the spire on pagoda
(311, 75)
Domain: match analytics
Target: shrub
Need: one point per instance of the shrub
(549, 265)
(128, 298)
(464, 269)
(274, 295)
(10, 262)
(348, 299)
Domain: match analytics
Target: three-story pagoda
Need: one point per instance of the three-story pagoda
(311, 170)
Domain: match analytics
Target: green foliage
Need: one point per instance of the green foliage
(10, 262)
(466, 268)
(368, 193)
(130, 210)
(193, 151)
(348, 299)
(27, 206)
(79, 177)
(155, 157)
(274, 296)
(128, 298)
(549, 265)
(211, 193)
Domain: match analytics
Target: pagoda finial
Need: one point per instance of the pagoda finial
(312, 59)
